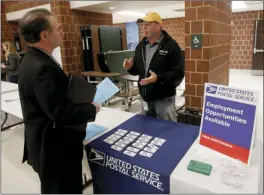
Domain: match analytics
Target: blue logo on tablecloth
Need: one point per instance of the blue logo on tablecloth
(97, 157)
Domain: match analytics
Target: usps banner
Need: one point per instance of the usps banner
(139, 156)
(228, 122)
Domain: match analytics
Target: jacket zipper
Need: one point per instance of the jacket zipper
(143, 56)
(144, 61)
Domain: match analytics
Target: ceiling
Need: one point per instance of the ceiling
(103, 6)
(139, 8)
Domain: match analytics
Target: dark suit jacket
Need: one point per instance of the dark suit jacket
(52, 143)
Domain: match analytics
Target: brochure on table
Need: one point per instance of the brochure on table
(228, 122)
(92, 130)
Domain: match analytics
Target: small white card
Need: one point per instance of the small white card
(151, 150)
(137, 145)
(122, 130)
(146, 136)
(113, 139)
(109, 141)
(116, 148)
(133, 149)
(120, 133)
(129, 153)
(160, 140)
(114, 136)
(128, 138)
(143, 139)
(147, 154)
(153, 146)
(134, 133)
(132, 136)
(157, 143)
(120, 144)
(124, 141)
(141, 142)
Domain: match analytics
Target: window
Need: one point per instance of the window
(132, 30)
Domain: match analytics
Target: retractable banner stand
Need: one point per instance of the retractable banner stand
(228, 122)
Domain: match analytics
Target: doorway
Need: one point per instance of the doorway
(258, 52)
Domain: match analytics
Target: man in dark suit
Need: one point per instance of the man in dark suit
(53, 138)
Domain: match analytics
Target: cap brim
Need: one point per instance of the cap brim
(140, 20)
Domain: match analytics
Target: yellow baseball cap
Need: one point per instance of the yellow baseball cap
(150, 17)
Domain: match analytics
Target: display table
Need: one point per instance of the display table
(10, 105)
(7, 87)
(135, 172)
(182, 180)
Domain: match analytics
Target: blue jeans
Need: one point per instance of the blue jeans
(162, 108)
(13, 78)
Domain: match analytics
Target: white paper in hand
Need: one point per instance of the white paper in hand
(105, 90)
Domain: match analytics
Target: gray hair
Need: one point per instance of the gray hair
(33, 23)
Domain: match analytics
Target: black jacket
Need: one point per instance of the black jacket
(167, 63)
(52, 144)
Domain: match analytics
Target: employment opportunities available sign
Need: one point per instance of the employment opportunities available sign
(228, 123)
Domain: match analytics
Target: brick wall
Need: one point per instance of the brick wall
(174, 26)
(242, 30)
(8, 29)
(210, 64)
(221, 43)
(71, 20)
(243, 27)
(123, 25)
(11, 6)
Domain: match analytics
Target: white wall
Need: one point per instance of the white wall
(17, 15)
(80, 4)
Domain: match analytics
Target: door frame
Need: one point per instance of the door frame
(256, 72)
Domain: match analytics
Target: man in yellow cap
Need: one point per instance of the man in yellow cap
(159, 63)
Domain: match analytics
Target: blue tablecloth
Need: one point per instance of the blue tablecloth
(114, 172)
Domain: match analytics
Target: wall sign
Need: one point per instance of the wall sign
(196, 41)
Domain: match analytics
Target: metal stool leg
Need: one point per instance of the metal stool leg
(4, 121)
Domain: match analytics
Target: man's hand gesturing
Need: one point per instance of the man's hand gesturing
(128, 63)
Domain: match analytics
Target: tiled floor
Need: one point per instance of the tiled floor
(19, 178)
